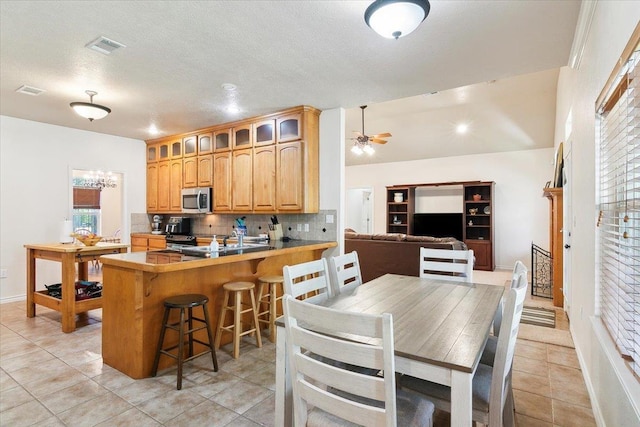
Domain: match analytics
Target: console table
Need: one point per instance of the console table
(68, 255)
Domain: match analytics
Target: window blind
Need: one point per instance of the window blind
(618, 118)
(86, 198)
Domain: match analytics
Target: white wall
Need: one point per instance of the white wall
(332, 190)
(36, 160)
(615, 392)
(521, 213)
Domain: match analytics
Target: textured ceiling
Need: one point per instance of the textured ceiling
(279, 54)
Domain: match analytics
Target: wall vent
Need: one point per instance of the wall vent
(104, 45)
(30, 90)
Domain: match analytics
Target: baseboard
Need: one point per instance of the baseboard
(13, 299)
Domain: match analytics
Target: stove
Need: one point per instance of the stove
(181, 239)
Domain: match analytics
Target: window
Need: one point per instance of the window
(618, 137)
(86, 209)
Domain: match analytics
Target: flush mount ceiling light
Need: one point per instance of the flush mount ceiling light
(396, 18)
(89, 110)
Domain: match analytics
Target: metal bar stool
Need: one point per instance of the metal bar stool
(183, 302)
(237, 288)
(270, 298)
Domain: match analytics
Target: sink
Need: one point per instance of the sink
(204, 251)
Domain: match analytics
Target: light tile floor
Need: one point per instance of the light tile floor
(48, 378)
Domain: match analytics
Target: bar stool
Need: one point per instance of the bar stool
(183, 302)
(270, 298)
(237, 288)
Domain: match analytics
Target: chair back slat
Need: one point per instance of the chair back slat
(447, 264)
(308, 278)
(513, 305)
(326, 382)
(345, 272)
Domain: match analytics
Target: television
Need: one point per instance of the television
(438, 225)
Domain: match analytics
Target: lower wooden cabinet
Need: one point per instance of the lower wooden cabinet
(147, 242)
(482, 250)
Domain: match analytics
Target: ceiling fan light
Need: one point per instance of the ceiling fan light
(89, 110)
(396, 18)
(369, 149)
(356, 150)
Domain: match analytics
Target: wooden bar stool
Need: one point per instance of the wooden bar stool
(183, 302)
(269, 294)
(237, 288)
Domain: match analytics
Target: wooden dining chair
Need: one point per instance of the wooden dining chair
(329, 395)
(309, 280)
(492, 399)
(447, 264)
(345, 272)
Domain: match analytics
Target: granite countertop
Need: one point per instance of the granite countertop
(165, 260)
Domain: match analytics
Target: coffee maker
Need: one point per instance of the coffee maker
(178, 225)
(157, 222)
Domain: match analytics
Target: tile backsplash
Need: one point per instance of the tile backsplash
(223, 224)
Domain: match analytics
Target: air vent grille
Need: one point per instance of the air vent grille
(30, 90)
(104, 45)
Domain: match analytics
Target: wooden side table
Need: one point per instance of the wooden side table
(68, 255)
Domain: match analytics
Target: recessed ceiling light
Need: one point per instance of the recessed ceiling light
(230, 87)
(233, 109)
(153, 130)
(104, 45)
(30, 90)
(462, 128)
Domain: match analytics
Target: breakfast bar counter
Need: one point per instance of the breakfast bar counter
(136, 284)
(68, 255)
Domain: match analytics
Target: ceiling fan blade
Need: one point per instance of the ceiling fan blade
(381, 135)
(358, 133)
(377, 141)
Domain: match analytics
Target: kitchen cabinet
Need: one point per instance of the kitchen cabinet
(164, 186)
(242, 180)
(556, 242)
(264, 179)
(222, 140)
(243, 136)
(289, 179)
(222, 182)
(190, 172)
(141, 242)
(205, 170)
(176, 186)
(283, 178)
(264, 133)
(205, 143)
(152, 187)
(289, 127)
(190, 146)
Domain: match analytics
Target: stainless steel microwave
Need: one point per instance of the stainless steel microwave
(197, 200)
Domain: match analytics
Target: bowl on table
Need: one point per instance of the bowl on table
(88, 239)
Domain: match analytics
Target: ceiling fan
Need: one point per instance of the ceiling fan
(362, 142)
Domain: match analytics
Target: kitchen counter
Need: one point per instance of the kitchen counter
(136, 284)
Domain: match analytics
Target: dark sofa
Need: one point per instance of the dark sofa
(380, 254)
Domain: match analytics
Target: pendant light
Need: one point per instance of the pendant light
(89, 110)
(396, 18)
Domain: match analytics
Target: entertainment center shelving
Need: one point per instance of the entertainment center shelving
(477, 216)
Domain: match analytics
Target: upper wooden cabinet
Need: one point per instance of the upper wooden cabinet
(190, 146)
(261, 164)
(242, 180)
(222, 140)
(289, 127)
(242, 136)
(264, 133)
(205, 143)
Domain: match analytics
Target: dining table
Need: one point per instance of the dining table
(440, 330)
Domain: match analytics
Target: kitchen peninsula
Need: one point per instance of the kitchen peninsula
(136, 284)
